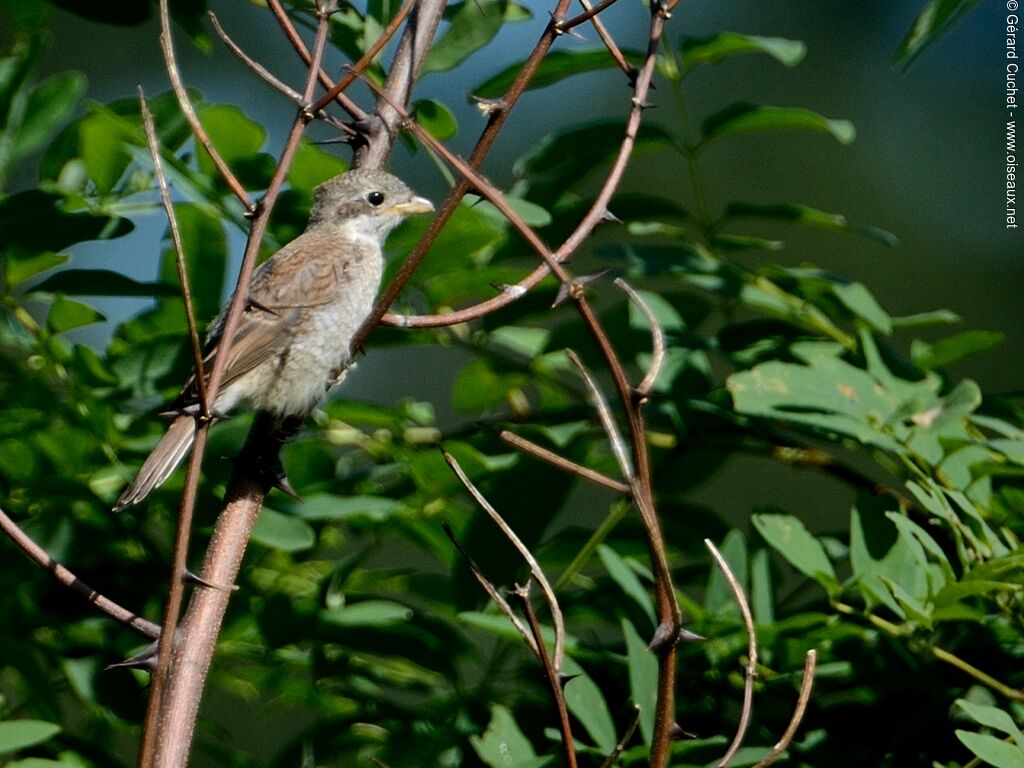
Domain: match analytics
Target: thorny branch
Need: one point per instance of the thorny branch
(750, 671)
(192, 646)
(39, 556)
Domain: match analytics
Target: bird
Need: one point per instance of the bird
(302, 310)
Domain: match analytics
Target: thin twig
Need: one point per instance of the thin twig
(750, 672)
(39, 556)
(589, 13)
(621, 745)
(494, 593)
(251, 63)
(524, 551)
(262, 72)
(174, 74)
(527, 446)
(367, 58)
(806, 686)
(657, 339)
(325, 80)
(552, 672)
(604, 413)
(179, 250)
(628, 69)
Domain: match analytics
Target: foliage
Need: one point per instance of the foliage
(359, 630)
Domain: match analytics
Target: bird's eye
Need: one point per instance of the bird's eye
(375, 198)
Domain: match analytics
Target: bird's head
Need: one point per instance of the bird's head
(372, 201)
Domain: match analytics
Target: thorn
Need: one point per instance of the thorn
(489, 106)
(676, 733)
(145, 659)
(517, 291)
(282, 484)
(564, 679)
(665, 637)
(687, 636)
(253, 210)
(608, 216)
(574, 288)
(189, 577)
(641, 104)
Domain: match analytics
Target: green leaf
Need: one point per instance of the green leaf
(587, 704)
(368, 613)
(50, 103)
(725, 45)
(935, 19)
(627, 580)
(19, 265)
(323, 506)
(204, 244)
(39, 762)
(237, 139)
(66, 314)
(830, 395)
(436, 118)
(473, 24)
(39, 221)
(573, 155)
(926, 319)
(485, 383)
(787, 535)
(806, 216)
(880, 552)
(19, 734)
(762, 601)
(101, 282)
(313, 166)
(858, 299)
(643, 678)
(555, 67)
(995, 752)
(284, 532)
(954, 348)
(503, 744)
(992, 717)
(743, 117)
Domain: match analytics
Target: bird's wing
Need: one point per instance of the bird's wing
(300, 276)
(304, 274)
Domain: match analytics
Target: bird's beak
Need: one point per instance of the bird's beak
(416, 205)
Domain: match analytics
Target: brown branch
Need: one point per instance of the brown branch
(553, 674)
(496, 121)
(494, 594)
(39, 556)
(657, 339)
(750, 672)
(591, 12)
(806, 685)
(604, 413)
(525, 553)
(537, 451)
(170, 719)
(171, 64)
(367, 58)
(300, 47)
(628, 69)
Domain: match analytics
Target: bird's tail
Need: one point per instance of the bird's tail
(161, 462)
